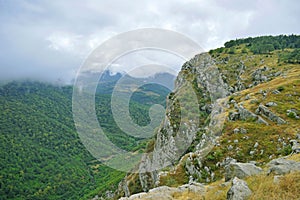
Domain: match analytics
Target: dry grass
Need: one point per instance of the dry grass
(217, 191)
(295, 157)
(187, 195)
(174, 178)
(263, 187)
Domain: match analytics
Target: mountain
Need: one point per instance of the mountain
(42, 156)
(247, 100)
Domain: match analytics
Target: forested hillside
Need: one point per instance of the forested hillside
(42, 156)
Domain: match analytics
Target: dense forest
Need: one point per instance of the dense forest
(42, 156)
(265, 45)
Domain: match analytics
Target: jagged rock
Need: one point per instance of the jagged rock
(262, 121)
(234, 116)
(271, 103)
(246, 114)
(295, 146)
(236, 130)
(230, 147)
(282, 166)
(276, 92)
(277, 73)
(263, 110)
(239, 190)
(240, 170)
(227, 161)
(247, 97)
(243, 131)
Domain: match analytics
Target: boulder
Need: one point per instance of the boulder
(239, 190)
(246, 114)
(192, 187)
(234, 116)
(282, 166)
(240, 170)
(271, 103)
(166, 193)
(263, 110)
(295, 146)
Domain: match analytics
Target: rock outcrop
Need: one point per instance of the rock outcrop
(282, 166)
(167, 193)
(263, 110)
(239, 190)
(240, 170)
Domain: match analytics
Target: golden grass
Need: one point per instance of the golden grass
(263, 187)
(295, 157)
(187, 195)
(217, 191)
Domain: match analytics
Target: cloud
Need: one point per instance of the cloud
(53, 37)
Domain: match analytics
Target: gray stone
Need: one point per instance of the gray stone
(271, 103)
(256, 145)
(234, 116)
(239, 190)
(246, 114)
(277, 73)
(263, 110)
(240, 170)
(236, 130)
(260, 120)
(276, 92)
(295, 146)
(243, 131)
(227, 161)
(193, 187)
(282, 166)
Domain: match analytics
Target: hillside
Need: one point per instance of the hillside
(248, 95)
(42, 156)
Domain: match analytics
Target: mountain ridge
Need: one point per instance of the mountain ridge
(262, 84)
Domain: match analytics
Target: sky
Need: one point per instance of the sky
(50, 39)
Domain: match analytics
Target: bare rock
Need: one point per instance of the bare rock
(282, 166)
(239, 190)
(240, 170)
(263, 110)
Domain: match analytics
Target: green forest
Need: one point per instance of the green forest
(265, 45)
(42, 156)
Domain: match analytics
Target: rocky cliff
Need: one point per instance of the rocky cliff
(232, 112)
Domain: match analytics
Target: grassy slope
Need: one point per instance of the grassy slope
(267, 136)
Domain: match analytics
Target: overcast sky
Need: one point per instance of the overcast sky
(51, 38)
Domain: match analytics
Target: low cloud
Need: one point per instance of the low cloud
(52, 38)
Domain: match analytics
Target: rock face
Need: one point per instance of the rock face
(239, 190)
(270, 115)
(178, 129)
(240, 170)
(282, 166)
